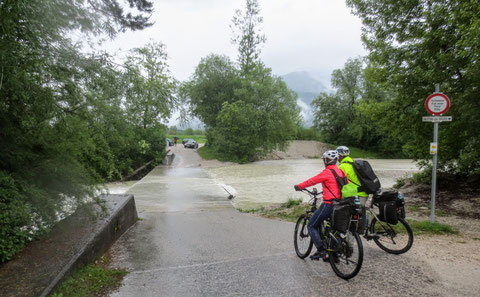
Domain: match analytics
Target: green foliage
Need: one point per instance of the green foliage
(307, 133)
(64, 128)
(214, 82)
(288, 211)
(345, 117)
(236, 131)
(149, 95)
(246, 35)
(265, 120)
(247, 111)
(91, 280)
(208, 153)
(292, 202)
(13, 215)
(414, 45)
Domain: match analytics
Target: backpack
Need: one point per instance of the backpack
(370, 183)
(346, 189)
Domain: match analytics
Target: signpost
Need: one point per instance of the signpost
(436, 104)
(437, 119)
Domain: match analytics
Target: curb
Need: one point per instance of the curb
(123, 216)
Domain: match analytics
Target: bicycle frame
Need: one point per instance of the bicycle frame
(325, 229)
(370, 209)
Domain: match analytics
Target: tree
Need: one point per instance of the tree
(246, 35)
(346, 116)
(57, 110)
(414, 45)
(266, 119)
(213, 83)
(150, 87)
(247, 111)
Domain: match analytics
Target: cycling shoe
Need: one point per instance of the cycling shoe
(318, 255)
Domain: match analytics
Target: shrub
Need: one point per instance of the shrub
(14, 214)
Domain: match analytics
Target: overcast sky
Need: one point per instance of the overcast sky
(316, 36)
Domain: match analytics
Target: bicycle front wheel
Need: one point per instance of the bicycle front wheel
(347, 258)
(394, 239)
(301, 239)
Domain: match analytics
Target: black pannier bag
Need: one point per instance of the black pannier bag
(341, 217)
(361, 223)
(388, 212)
(395, 196)
(390, 195)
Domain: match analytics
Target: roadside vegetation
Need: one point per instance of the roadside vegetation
(91, 281)
(292, 209)
(71, 120)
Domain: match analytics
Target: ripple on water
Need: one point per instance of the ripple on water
(265, 182)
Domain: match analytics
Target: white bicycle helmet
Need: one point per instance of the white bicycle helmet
(330, 157)
(343, 151)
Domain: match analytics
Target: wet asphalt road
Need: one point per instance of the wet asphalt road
(190, 241)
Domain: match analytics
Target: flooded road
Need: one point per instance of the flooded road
(261, 183)
(190, 241)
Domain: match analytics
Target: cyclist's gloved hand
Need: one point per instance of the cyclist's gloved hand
(296, 188)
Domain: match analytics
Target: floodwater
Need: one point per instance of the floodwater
(119, 187)
(265, 182)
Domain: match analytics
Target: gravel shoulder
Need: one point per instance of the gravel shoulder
(453, 260)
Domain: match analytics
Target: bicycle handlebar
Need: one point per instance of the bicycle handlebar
(314, 193)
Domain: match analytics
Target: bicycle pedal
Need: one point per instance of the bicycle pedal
(369, 237)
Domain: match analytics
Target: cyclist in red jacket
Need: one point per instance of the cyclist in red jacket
(330, 191)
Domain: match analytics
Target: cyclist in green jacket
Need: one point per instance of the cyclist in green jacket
(346, 165)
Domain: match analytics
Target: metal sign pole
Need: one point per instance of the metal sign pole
(434, 168)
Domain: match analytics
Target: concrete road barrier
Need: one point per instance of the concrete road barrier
(74, 242)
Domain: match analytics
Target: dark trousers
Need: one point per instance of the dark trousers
(322, 213)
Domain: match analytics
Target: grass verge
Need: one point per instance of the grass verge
(208, 153)
(292, 209)
(427, 227)
(91, 280)
(288, 211)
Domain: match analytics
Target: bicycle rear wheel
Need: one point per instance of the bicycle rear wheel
(394, 239)
(347, 258)
(301, 239)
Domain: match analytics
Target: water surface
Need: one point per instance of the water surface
(265, 182)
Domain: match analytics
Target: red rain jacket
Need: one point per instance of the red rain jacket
(327, 179)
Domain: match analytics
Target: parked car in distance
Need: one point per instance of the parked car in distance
(185, 140)
(169, 142)
(191, 144)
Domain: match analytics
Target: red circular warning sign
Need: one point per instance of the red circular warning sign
(437, 103)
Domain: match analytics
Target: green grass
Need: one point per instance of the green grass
(197, 138)
(426, 227)
(288, 211)
(208, 153)
(292, 202)
(91, 280)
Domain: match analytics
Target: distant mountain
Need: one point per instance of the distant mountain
(307, 89)
(304, 84)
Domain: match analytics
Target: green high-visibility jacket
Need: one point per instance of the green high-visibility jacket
(350, 172)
